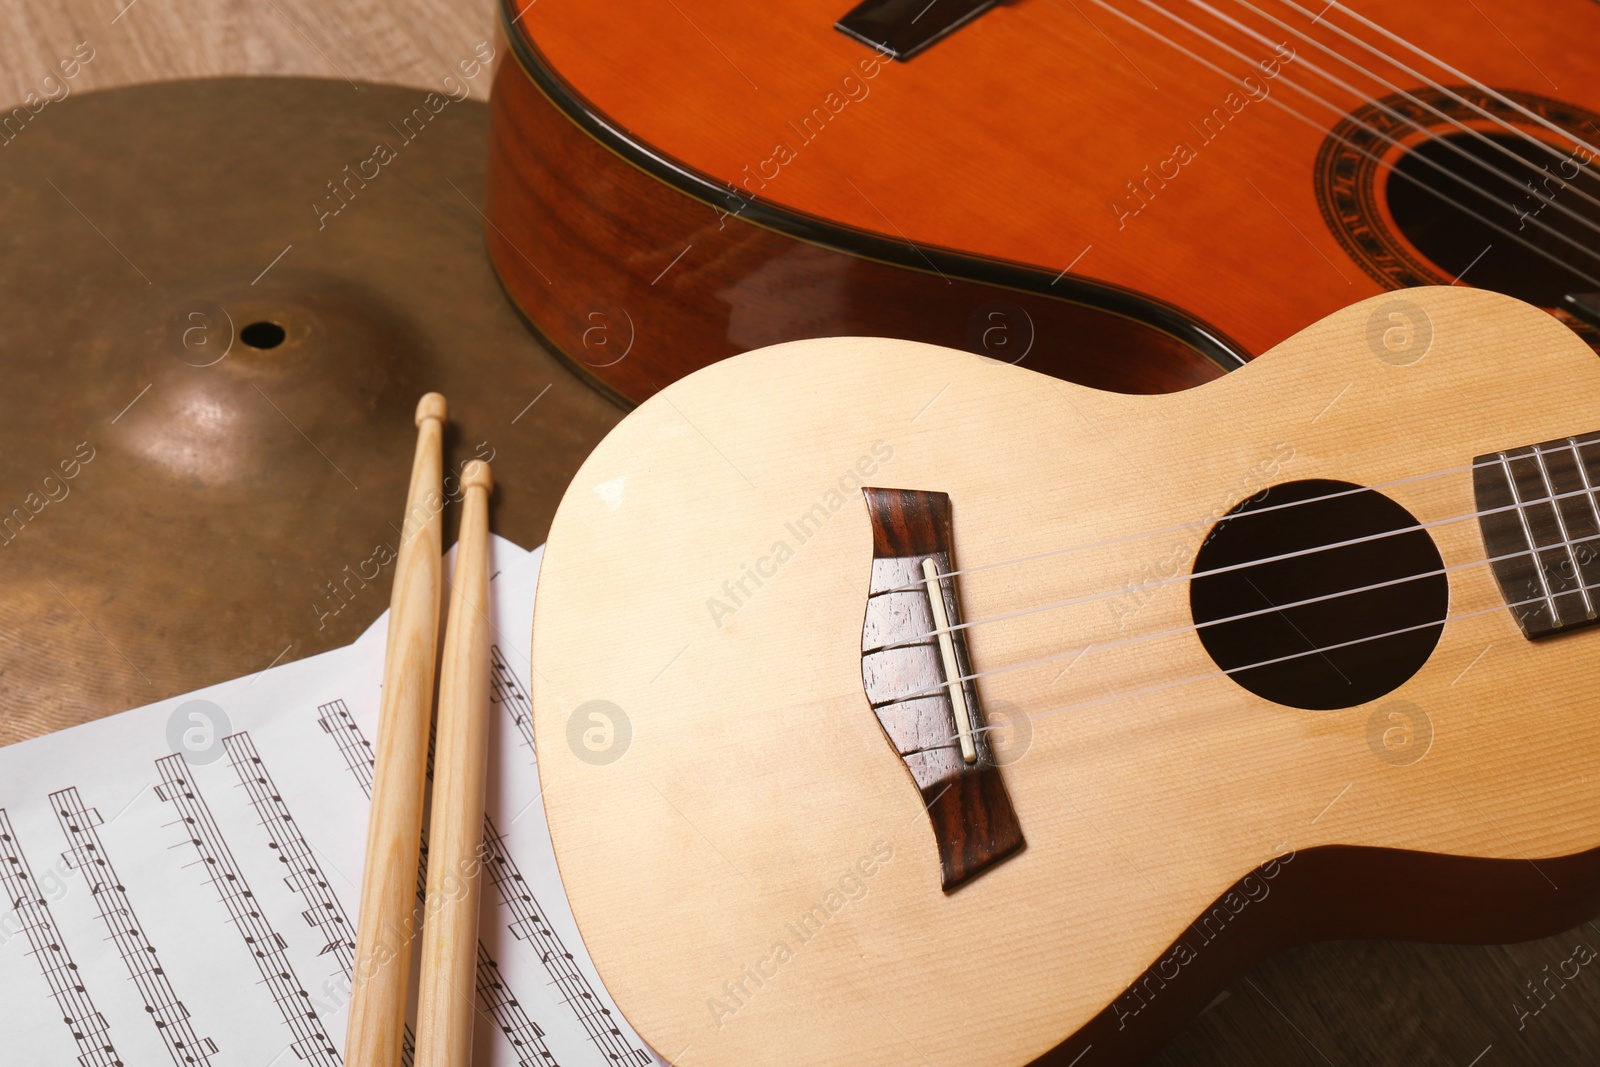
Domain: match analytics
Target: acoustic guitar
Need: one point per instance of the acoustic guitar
(1131, 194)
(896, 705)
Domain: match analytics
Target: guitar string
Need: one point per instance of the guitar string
(1441, 64)
(1321, 18)
(1095, 646)
(1297, 114)
(1225, 74)
(1321, 127)
(1524, 135)
(1228, 671)
(1427, 134)
(1547, 199)
(1090, 598)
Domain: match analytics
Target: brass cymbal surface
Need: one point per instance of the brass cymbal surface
(223, 298)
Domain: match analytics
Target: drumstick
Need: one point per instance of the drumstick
(445, 992)
(394, 828)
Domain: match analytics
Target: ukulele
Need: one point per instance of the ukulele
(1131, 194)
(897, 705)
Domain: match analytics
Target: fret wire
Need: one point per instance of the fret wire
(1583, 472)
(1527, 532)
(1566, 535)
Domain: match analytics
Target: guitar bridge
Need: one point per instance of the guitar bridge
(902, 28)
(919, 678)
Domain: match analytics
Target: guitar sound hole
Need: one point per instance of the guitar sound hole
(1291, 630)
(1533, 198)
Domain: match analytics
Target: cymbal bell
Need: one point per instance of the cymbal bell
(211, 372)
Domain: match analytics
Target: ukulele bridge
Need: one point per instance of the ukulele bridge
(919, 679)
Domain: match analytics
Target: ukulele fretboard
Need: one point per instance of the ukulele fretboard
(1540, 520)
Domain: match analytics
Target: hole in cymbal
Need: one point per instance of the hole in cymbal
(262, 335)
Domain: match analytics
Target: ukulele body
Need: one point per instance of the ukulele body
(748, 855)
(669, 184)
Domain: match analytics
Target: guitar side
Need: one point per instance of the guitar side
(570, 194)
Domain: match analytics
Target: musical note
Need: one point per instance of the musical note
(266, 946)
(48, 947)
(505, 690)
(529, 922)
(525, 1036)
(88, 856)
(324, 912)
(337, 723)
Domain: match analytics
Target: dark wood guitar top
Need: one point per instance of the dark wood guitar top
(1162, 149)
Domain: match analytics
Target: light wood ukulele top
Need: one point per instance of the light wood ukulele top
(706, 577)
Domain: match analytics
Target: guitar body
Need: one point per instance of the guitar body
(767, 867)
(1132, 196)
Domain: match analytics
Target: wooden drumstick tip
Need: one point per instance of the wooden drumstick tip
(475, 475)
(431, 406)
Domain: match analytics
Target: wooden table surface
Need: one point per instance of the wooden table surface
(407, 42)
(1354, 1002)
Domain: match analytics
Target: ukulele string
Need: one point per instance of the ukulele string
(1228, 671)
(1546, 199)
(1097, 646)
(1321, 127)
(1214, 519)
(1090, 598)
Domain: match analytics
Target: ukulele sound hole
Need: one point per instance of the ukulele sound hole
(1319, 594)
(1522, 190)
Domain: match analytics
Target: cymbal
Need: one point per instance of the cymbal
(222, 309)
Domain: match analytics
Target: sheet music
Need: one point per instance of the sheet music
(178, 883)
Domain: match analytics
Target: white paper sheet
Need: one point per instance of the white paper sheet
(178, 883)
